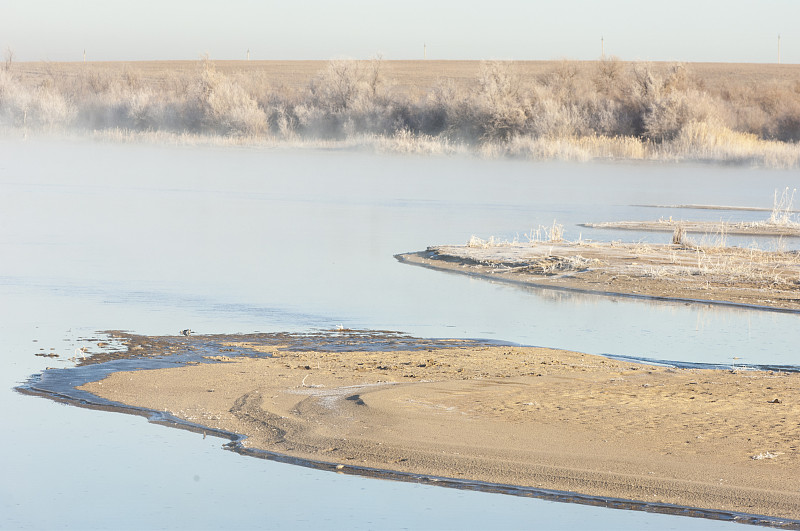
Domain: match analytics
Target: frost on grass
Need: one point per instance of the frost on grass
(782, 209)
(764, 455)
(684, 261)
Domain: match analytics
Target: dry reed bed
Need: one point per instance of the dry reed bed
(562, 110)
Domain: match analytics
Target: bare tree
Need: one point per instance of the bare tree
(8, 57)
(608, 75)
(338, 86)
(374, 74)
(499, 97)
(564, 78)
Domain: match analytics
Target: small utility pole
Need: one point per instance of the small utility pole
(602, 48)
(424, 50)
(84, 55)
(779, 48)
(248, 54)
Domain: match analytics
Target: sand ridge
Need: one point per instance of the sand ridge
(535, 417)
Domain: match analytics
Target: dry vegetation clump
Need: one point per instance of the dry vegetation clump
(729, 265)
(43, 106)
(563, 110)
(783, 208)
(217, 104)
(709, 258)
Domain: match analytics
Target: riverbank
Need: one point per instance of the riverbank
(541, 418)
(723, 275)
(538, 110)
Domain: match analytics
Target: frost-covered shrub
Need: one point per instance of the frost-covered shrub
(338, 87)
(15, 101)
(346, 99)
(217, 104)
(666, 115)
(502, 110)
(608, 76)
(49, 108)
(448, 111)
(42, 107)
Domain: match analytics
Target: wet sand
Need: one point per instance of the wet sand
(533, 417)
(724, 275)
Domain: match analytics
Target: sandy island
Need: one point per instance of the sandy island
(716, 439)
(728, 275)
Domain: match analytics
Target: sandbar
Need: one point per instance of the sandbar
(720, 275)
(552, 419)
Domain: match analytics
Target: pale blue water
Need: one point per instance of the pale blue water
(157, 239)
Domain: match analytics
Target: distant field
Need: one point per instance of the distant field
(414, 77)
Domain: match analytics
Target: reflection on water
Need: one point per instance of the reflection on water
(155, 240)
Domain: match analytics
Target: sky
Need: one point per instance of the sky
(649, 30)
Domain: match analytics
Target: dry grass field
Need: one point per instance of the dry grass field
(410, 77)
(742, 113)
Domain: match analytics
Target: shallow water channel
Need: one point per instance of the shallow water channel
(155, 239)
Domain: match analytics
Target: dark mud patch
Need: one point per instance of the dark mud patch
(197, 347)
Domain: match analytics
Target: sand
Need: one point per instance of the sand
(723, 275)
(533, 417)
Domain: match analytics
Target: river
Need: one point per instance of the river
(154, 239)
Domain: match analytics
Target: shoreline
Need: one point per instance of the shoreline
(448, 109)
(540, 419)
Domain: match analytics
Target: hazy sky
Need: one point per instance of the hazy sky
(675, 30)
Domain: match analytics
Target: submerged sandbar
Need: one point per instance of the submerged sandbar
(744, 228)
(551, 419)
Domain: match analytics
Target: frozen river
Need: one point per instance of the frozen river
(156, 239)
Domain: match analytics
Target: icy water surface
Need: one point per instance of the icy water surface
(154, 239)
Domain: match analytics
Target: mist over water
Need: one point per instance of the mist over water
(236, 240)
(154, 239)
